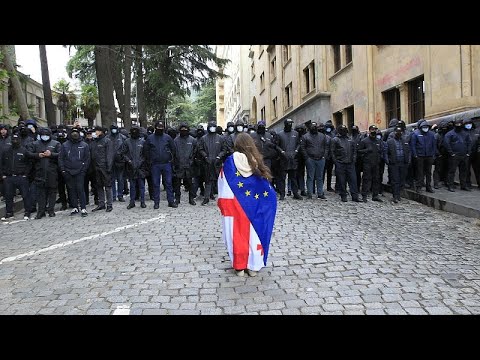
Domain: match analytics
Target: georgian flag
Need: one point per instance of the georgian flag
(248, 206)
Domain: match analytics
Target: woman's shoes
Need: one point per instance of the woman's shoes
(252, 273)
(241, 273)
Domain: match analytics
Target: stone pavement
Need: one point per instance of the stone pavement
(326, 257)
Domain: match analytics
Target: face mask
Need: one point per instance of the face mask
(94, 135)
(354, 131)
(82, 134)
(314, 130)
(379, 137)
(328, 130)
(158, 131)
(261, 130)
(16, 143)
(458, 128)
(468, 126)
(373, 134)
(135, 134)
(183, 133)
(240, 128)
(30, 126)
(75, 136)
(45, 137)
(424, 129)
(114, 131)
(212, 129)
(231, 129)
(23, 131)
(398, 135)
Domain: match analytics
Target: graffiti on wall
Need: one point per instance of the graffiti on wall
(392, 78)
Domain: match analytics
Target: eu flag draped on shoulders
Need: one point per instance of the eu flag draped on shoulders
(248, 205)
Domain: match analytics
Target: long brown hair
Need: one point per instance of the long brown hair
(245, 144)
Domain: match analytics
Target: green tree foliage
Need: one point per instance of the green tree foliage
(205, 103)
(171, 69)
(63, 86)
(89, 103)
(82, 64)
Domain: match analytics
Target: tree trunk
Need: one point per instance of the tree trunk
(17, 87)
(116, 69)
(90, 123)
(127, 120)
(47, 91)
(105, 86)
(142, 113)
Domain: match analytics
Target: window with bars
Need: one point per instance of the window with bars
(336, 58)
(416, 99)
(392, 104)
(262, 113)
(252, 70)
(348, 54)
(288, 96)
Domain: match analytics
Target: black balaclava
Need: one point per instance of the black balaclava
(23, 130)
(150, 130)
(287, 125)
(372, 132)
(200, 131)
(342, 130)
(61, 136)
(135, 132)
(355, 130)
(75, 136)
(219, 130)
(321, 128)
(401, 124)
(313, 128)
(458, 125)
(16, 141)
(159, 128)
(184, 130)
(301, 129)
(398, 133)
(261, 128)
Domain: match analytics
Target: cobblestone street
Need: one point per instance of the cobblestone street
(326, 257)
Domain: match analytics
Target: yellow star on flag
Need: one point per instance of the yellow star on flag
(237, 173)
(265, 193)
(240, 184)
(247, 192)
(256, 196)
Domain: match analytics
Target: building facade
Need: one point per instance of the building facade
(233, 93)
(362, 84)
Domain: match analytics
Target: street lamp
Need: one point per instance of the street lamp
(62, 105)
